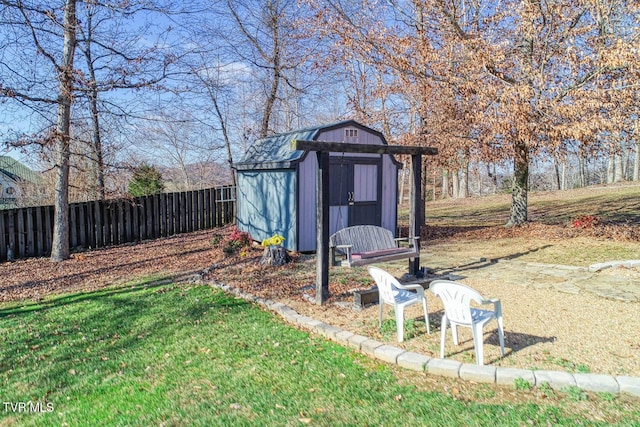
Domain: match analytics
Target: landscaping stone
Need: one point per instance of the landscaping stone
(445, 367)
(355, 341)
(388, 353)
(629, 385)
(598, 383)
(556, 379)
(327, 330)
(508, 376)
(369, 346)
(478, 373)
(307, 322)
(343, 337)
(413, 361)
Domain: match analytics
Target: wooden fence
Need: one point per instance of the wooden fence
(27, 232)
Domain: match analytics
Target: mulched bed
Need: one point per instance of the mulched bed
(35, 278)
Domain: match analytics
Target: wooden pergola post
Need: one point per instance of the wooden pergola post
(415, 220)
(322, 150)
(322, 234)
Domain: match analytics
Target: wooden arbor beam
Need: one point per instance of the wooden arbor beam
(322, 149)
(345, 147)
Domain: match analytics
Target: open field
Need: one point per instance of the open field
(550, 237)
(615, 204)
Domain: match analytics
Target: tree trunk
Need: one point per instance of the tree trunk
(276, 75)
(556, 168)
(455, 184)
(493, 178)
(96, 137)
(435, 177)
(518, 214)
(582, 165)
(445, 184)
(463, 190)
(422, 218)
(636, 162)
(60, 244)
(611, 168)
(403, 179)
(619, 168)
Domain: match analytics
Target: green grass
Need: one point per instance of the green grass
(617, 204)
(179, 355)
(616, 207)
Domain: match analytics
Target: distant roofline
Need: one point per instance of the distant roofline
(17, 171)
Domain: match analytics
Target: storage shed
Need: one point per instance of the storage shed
(276, 190)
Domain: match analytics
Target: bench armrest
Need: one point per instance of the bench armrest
(416, 241)
(343, 246)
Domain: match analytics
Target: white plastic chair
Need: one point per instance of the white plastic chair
(458, 312)
(394, 293)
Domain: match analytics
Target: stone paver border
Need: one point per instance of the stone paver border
(631, 263)
(447, 367)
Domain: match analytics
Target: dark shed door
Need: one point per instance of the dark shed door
(356, 183)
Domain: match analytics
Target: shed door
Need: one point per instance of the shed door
(356, 186)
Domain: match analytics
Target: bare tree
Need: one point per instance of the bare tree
(120, 55)
(52, 35)
(264, 36)
(41, 81)
(175, 141)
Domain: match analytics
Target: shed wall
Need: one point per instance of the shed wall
(307, 204)
(308, 189)
(267, 205)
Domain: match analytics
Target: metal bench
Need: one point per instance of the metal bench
(369, 244)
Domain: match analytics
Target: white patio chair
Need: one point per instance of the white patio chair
(400, 296)
(457, 298)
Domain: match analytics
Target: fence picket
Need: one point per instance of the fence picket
(31, 250)
(3, 239)
(48, 229)
(39, 233)
(11, 232)
(157, 219)
(82, 224)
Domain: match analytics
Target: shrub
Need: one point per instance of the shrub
(146, 180)
(236, 240)
(585, 221)
(216, 240)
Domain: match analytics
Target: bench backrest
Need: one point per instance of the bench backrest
(364, 238)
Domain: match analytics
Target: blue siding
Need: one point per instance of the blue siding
(267, 204)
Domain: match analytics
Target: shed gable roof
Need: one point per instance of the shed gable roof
(16, 171)
(275, 152)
